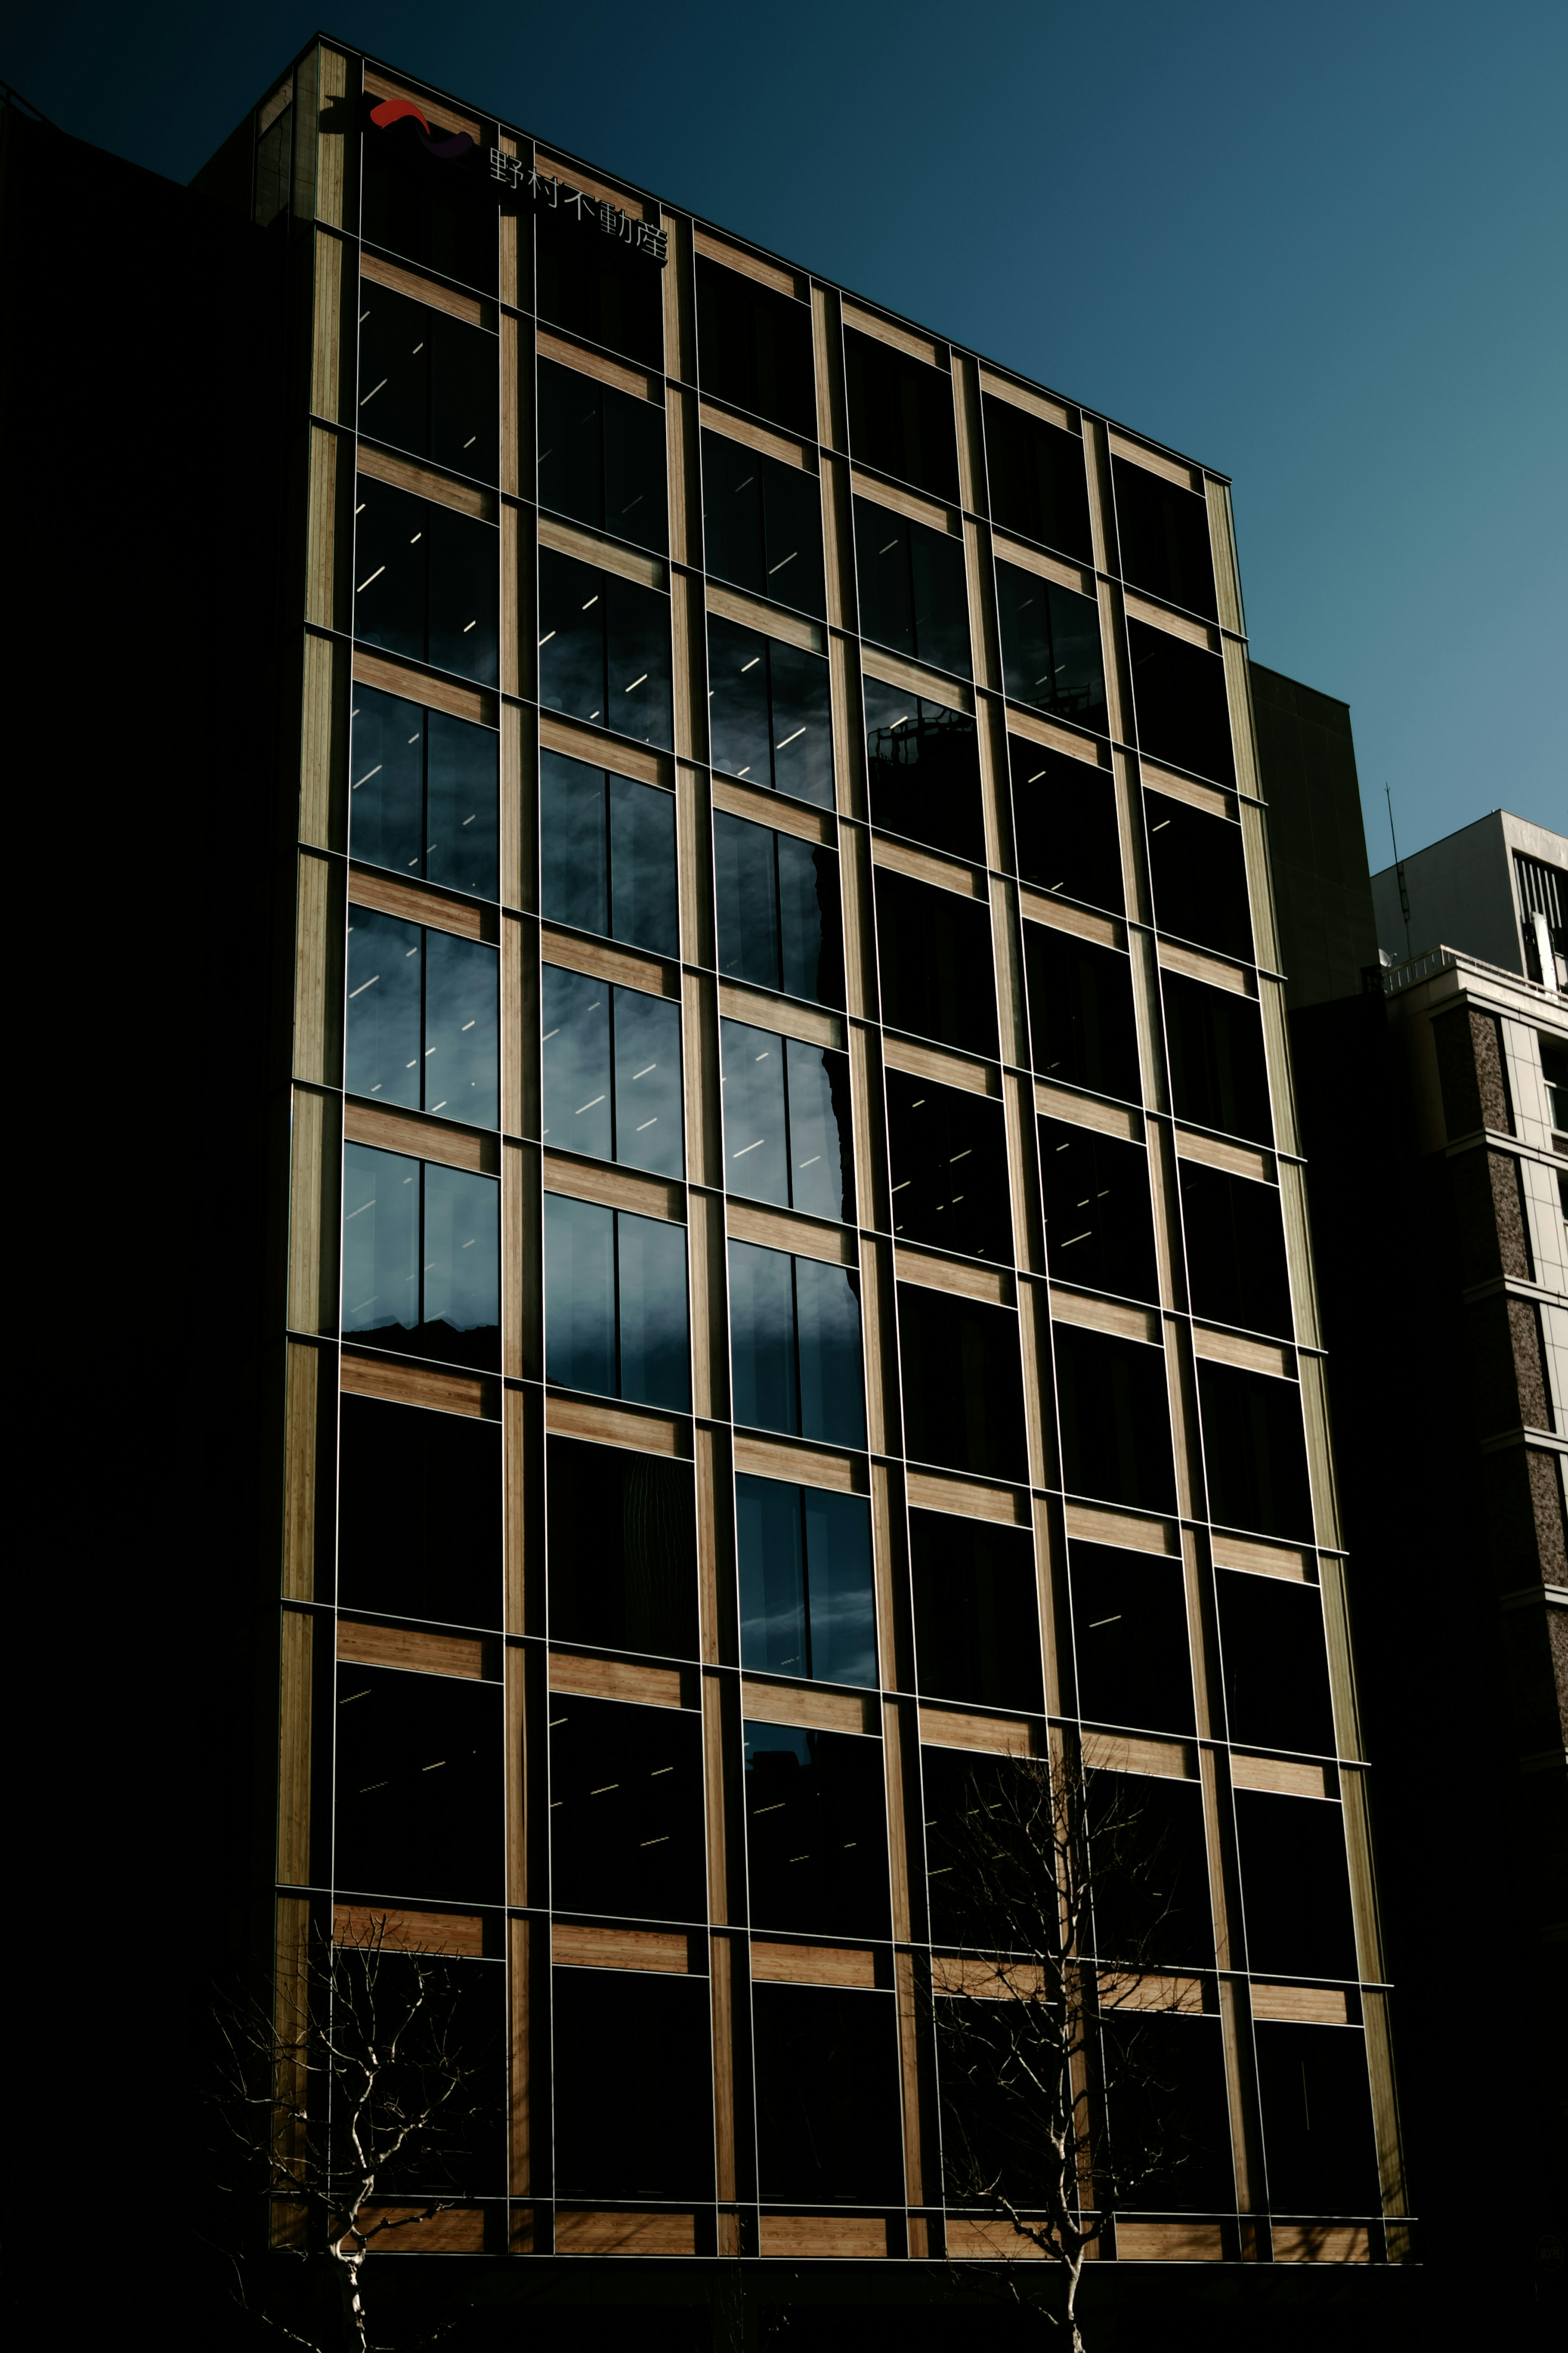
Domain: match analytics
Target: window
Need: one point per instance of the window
(1114, 1415)
(1050, 647)
(1275, 1667)
(762, 525)
(768, 713)
(977, 1626)
(933, 961)
(777, 899)
(1295, 1889)
(597, 287)
(1100, 1227)
(1317, 2119)
(923, 770)
(816, 1836)
(1198, 870)
(913, 592)
(1219, 1078)
(806, 1601)
(615, 1304)
(606, 855)
(947, 1159)
(1183, 717)
(787, 1135)
(963, 1385)
(1163, 531)
(1554, 1071)
(604, 650)
(1177, 2070)
(425, 582)
(636, 2046)
(419, 1784)
(434, 210)
(421, 796)
(1253, 1453)
(900, 415)
(1039, 487)
(1236, 1272)
(421, 1258)
(419, 1523)
(1161, 1906)
(1064, 823)
(1130, 1639)
(1544, 904)
(828, 2129)
(795, 1345)
(1081, 1024)
(423, 1011)
(754, 348)
(428, 383)
(601, 457)
(622, 1549)
(625, 1810)
(611, 1063)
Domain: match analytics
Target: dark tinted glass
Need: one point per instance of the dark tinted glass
(1276, 1666)
(1159, 1909)
(795, 1345)
(625, 1812)
(962, 1387)
(768, 713)
(954, 1783)
(460, 836)
(1218, 1075)
(1168, 2103)
(1317, 2119)
(655, 1344)
(913, 594)
(786, 1122)
(827, 2096)
(1236, 1250)
(754, 348)
(1163, 531)
(422, 1019)
(832, 1380)
(1064, 823)
(806, 1600)
(383, 1025)
(1198, 870)
(464, 397)
(900, 415)
(611, 1063)
(1130, 1639)
(428, 382)
(1179, 691)
(1035, 472)
(435, 209)
(947, 1156)
(644, 901)
(596, 287)
(934, 960)
(1050, 647)
(924, 771)
(419, 1516)
(615, 1304)
(425, 582)
(1114, 1413)
(638, 2047)
(421, 1269)
(777, 899)
(816, 1842)
(606, 855)
(419, 1783)
(1100, 1227)
(1295, 1888)
(1254, 1451)
(463, 557)
(460, 1058)
(977, 1627)
(601, 456)
(604, 650)
(579, 1295)
(761, 1339)
(762, 524)
(387, 781)
(622, 1549)
(1081, 1023)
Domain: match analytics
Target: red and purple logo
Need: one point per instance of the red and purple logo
(395, 109)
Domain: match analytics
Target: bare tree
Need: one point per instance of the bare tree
(357, 2099)
(1058, 2105)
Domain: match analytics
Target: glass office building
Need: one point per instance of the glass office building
(796, 1276)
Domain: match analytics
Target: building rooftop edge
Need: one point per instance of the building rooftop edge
(1411, 971)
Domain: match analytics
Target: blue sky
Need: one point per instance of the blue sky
(1318, 247)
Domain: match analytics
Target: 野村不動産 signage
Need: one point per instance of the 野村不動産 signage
(592, 212)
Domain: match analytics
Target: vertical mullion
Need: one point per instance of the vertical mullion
(614, 1090)
(805, 1584)
(424, 954)
(615, 1284)
(768, 673)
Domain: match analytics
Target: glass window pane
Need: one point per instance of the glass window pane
(625, 1827)
(768, 1540)
(947, 1156)
(828, 2095)
(574, 871)
(933, 959)
(636, 2046)
(386, 822)
(1236, 1272)
(595, 287)
(460, 845)
(1081, 1022)
(816, 1831)
(465, 557)
(832, 1386)
(655, 1344)
(744, 890)
(1115, 1415)
(802, 724)
(1100, 1229)
(418, 1772)
(923, 764)
(754, 348)
(962, 1384)
(575, 1059)
(636, 506)
(738, 702)
(1162, 531)
(1050, 647)
(394, 367)
(761, 1339)
(821, 1143)
(391, 547)
(1130, 1639)
(571, 638)
(1198, 872)
(637, 660)
(939, 588)
(440, 211)
(1182, 714)
(644, 901)
(811, 946)
(838, 1576)
(571, 461)
(462, 1263)
(622, 1549)
(756, 1139)
(1219, 1077)
(1036, 471)
(882, 574)
(900, 415)
(419, 1513)
(977, 1628)
(792, 513)
(732, 511)
(648, 1083)
(1064, 822)
(461, 1057)
(382, 1041)
(380, 1243)
(465, 385)
(579, 1295)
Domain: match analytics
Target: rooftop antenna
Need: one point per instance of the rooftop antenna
(1399, 874)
